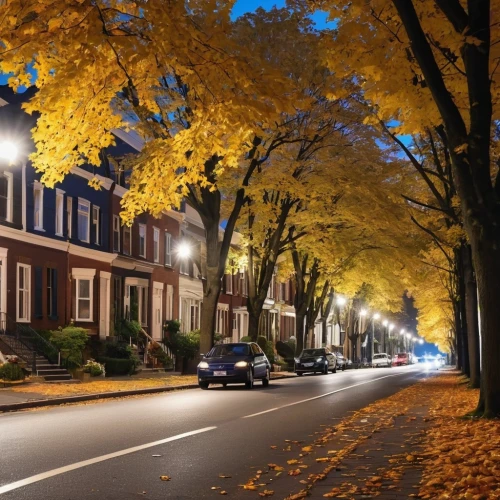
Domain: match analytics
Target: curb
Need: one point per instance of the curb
(102, 395)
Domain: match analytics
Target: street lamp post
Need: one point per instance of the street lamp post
(402, 332)
(391, 340)
(362, 314)
(376, 316)
(385, 324)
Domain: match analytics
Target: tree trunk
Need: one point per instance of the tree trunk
(254, 311)
(211, 292)
(299, 332)
(486, 255)
(471, 316)
(458, 336)
(463, 317)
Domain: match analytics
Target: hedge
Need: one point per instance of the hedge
(116, 366)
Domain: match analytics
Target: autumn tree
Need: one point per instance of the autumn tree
(427, 64)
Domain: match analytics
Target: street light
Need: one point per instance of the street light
(184, 250)
(341, 301)
(376, 316)
(421, 341)
(363, 312)
(8, 151)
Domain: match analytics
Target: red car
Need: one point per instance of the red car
(401, 358)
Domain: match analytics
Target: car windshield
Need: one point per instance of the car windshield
(401, 355)
(312, 352)
(379, 356)
(229, 350)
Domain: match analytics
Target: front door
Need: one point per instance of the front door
(157, 310)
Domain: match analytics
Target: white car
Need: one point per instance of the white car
(381, 360)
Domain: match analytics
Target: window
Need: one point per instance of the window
(142, 240)
(168, 249)
(83, 220)
(38, 206)
(59, 212)
(69, 215)
(84, 294)
(222, 320)
(116, 233)
(156, 244)
(6, 197)
(127, 240)
(23, 292)
(96, 221)
(229, 283)
(52, 293)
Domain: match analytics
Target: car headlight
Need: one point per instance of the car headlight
(241, 364)
(319, 360)
(203, 364)
(297, 360)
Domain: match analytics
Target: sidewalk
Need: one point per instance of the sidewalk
(35, 395)
(413, 444)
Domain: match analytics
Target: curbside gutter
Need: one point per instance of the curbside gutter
(102, 395)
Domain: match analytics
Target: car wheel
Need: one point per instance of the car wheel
(334, 369)
(325, 369)
(299, 374)
(203, 385)
(249, 382)
(224, 385)
(343, 368)
(266, 379)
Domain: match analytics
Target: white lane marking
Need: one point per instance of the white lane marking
(67, 468)
(320, 396)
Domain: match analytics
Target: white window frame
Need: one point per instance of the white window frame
(69, 215)
(142, 228)
(116, 230)
(26, 290)
(83, 274)
(59, 213)
(229, 283)
(127, 229)
(38, 191)
(96, 222)
(82, 201)
(168, 249)
(10, 191)
(156, 244)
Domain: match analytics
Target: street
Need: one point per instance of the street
(119, 449)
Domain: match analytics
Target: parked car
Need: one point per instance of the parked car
(238, 363)
(320, 360)
(381, 359)
(401, 358)
(341, 361)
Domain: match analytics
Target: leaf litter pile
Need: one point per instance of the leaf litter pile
(414, 444)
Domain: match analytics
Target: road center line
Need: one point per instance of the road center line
(320, 396)
(77, 465)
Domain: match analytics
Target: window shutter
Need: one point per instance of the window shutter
(38, 292)
(54, 294)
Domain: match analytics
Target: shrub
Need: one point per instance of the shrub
(285, 350)
(73, 340)
(94, 368)
(186, 345)
(161, 356)
(120, 366)
(118, 351)
(11, 371)
(171, 327)
(128, 329)
(246, 339)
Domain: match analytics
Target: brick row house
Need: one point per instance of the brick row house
(66, 257)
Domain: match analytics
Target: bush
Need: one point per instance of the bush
(120, 366)
(118, 351)
(11, 371)
(285, 350)
(94, 368)
(186, 345)
(246, 339)
(161, 356)
(73, 340)
(171, 327)
(128, 329)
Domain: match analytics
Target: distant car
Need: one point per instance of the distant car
(320, 360)
(341, 361)
(381, 359)
(238, 363)
(401, 358)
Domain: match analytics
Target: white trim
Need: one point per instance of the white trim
(120, 191)
(105, 182)
(59, 212)
(105, 274)
(156, 244)
(38, 188)
(84, 274)
(137, 282)
(23, 196)
(27, 289)
(143, 255)
(83, 202)
(90, 253)
(69, 216)
(3, 280)
(158, 284)
(132, 138)
(10, 194)
(167, 246)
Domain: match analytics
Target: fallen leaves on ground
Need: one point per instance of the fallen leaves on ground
(165, 478)
(99, 386)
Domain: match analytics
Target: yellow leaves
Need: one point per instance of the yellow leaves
(223, 476)
(462, 148)
(307, 449)
(410, 458)
(165, 478)
(294, 472)
(266, 493)
(292, 462)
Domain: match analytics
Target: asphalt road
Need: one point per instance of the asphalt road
(107, 450)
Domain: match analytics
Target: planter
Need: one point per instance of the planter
(276, 368)
(80, 375)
